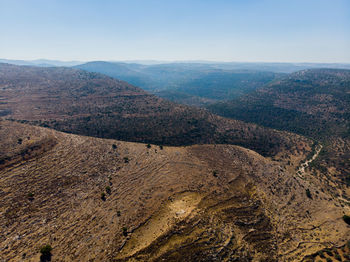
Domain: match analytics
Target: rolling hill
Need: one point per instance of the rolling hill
(96, 105)
(200, 83)
(96, 199)
(314, 103)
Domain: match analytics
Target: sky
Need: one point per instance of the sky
(169, 30)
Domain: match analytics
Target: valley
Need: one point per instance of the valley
(134, 177)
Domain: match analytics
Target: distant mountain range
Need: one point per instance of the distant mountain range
(199, 84)
(41, 62)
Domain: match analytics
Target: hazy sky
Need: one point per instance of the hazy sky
(225, 30)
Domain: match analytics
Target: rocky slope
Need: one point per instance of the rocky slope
(95, 199)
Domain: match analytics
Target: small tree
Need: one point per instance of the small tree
(308, 193)
(108, 190)
(148, 146)
(114, 146)
(103, 196)
(125, 231)
(30, 196)
(126, 160)
(346, 220)
(45, 253)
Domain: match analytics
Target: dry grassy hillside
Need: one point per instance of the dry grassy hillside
(96, 105)
(95, 199)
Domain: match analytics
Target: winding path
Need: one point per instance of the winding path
(304, 165)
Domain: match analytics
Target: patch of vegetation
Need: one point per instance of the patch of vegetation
(346, 219)
(46, 253)
(321, 254)
(338, 257)
(148, 146)
(30, 196)
(119, 213)
(125, 231)
(108, 190)
(114, 146)
(126, 160)
(103, 196)
(308, 193)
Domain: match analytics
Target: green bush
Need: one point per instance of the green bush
(30, 196)
(108, 190)
(346, 219)
(320, 253)
(308, 193)
(46, 250)
(126, 160)
(125, 231)
(337, 257)
(148, 146)
(103, 196)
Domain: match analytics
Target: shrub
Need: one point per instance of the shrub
(308, 193)
(215, 173)
(346, 220)
(125, 231)
(320, 253)
(19, 141)
(108, 190)
(30, 196)
(161, 147)
(45, 253)
(114, 146)
(126, 160)
(329, 252)
(118, 213)
(328, 259)
(337, 257)
(103, 196)
(148, 146)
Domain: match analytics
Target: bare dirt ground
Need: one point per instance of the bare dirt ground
(196, 203)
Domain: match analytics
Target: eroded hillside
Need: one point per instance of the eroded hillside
(94, 199)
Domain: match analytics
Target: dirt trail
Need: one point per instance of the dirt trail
(304, 165)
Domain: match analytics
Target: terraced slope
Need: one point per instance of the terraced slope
(194, 203)
(314, 103)
(96, 105)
